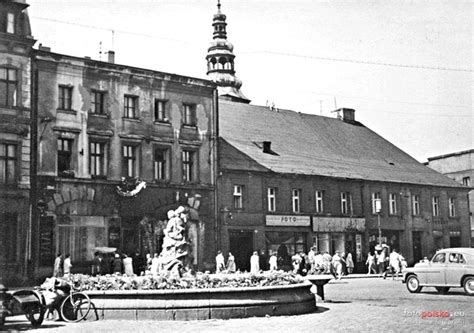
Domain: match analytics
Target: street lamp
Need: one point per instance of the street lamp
(378, 208)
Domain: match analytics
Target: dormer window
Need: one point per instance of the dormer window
(10, 23)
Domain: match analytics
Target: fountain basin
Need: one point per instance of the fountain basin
(202, 304)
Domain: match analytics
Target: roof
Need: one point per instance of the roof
(459, 153)
(315, 145)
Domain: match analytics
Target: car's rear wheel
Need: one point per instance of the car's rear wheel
(413, 284)
(468, 285)
(442, 290)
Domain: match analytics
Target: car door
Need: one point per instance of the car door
(435, 275)
(455, 269)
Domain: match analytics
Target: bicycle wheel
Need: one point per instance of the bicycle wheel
(75, 307)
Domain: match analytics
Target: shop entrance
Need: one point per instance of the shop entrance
(417, 254)
(241, 247)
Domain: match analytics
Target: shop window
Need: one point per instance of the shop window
(98, 102)
(9, 236)
(319, 201)
(160, 111)
(129, 160)
(416, 205)
(392, 203)
(296, 194)
(130, 106)
(8, 163)
(65, 98)
(374, 200)
(435, 205)
(271, 199)
(65, 157)
(97, 159)
(238, 204)
(452, 207)
(285, 244)
(8, 86)
(161, 163)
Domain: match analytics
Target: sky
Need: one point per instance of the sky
(406, 67)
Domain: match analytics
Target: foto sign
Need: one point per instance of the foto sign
(288, 220)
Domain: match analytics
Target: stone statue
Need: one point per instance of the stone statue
(174, 254)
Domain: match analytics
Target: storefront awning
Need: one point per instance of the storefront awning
(338, 224)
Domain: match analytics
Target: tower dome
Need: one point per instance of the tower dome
(220, 61)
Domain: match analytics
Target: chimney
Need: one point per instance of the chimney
(348, 115)
(44, 48)
(267, 147)
(111, 57)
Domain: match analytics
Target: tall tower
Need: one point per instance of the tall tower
(220, 61)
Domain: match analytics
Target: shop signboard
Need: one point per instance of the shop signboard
(288, 220)
(338, 224)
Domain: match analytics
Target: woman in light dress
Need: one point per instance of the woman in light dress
(254, 263)
(231, 268)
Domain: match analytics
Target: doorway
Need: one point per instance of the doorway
(241, 246)
(417, 254)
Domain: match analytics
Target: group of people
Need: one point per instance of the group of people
(62, 266)
(380, 262)
(222, 266)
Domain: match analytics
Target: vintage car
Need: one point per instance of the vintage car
(449, 268)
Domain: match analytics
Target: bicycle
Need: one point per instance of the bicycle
(76, 306)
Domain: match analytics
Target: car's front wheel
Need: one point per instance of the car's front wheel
(468, 285)
(413, 284)
(442, 290)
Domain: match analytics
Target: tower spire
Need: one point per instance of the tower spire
(220, 61)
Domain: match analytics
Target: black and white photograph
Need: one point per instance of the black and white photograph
(236, 165)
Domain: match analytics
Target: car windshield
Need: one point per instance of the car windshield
(439, 258)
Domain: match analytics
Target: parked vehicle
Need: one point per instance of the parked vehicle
(18, 302)
(449, 268)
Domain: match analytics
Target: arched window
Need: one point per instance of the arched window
(222, 62)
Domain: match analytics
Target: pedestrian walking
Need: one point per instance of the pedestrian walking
(128, 265)
(67, 265)
(311, 255)
(370, 262)
(349, 263)
(337, 264)
(57, 270)
(117, 264)
(343, 263)
(394, 264)
(155, 264)
(96, 264)
(273, 262)
(231, 268)
(148, 262)
(220, 262)
(254, 263)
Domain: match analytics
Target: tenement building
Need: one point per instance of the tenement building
(289, 181)
(460, 167)
(15, 108)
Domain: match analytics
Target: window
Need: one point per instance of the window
(296, 200)
(97, 165)
(466, 181)
(8, 163)
(375, 198)
(64, 157)
(9, 232)
(188, 159)
(435, 205)
(392, 203)
(160, 163)
(346, 203)
(439, 258)
(65, 98)
(456, 258)
(271, 198)
(130, 106)
(452, 207)
(238, 197)
(189, 114)
(319, 201)
(10, 23)
(8, 87)
(98, 98)
(416, 205)
(129, 161)
(160, 110)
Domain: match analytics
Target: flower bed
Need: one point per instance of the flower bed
(199, 281)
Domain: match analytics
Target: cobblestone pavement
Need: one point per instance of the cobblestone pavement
(351, 305)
